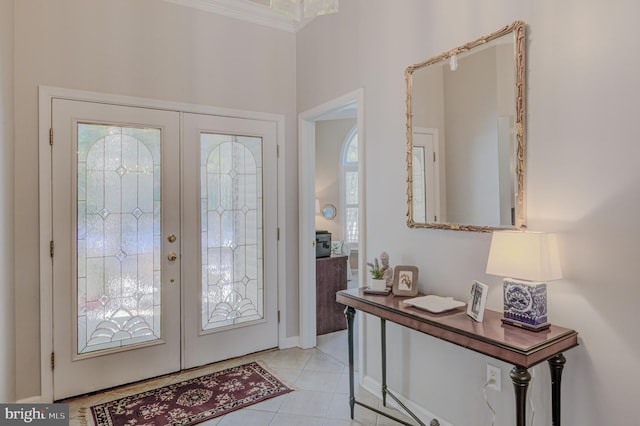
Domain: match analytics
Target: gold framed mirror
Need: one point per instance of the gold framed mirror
(466, 135)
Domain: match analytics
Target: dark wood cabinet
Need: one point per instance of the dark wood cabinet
(331, 277)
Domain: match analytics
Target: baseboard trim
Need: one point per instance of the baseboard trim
(374, 387)
(290, 342)
(31, 400)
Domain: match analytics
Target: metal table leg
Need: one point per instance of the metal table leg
(383, 341)
(350, 313)
(520, 377)
(556, 365)
(385, 389)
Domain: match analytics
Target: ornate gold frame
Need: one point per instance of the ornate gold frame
(518, 28)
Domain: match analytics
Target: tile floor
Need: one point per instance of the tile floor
(319, 376)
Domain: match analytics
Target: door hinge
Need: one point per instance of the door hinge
(278, 316)
(51, 136)
(278, 151)
(434, 157)
(53, 360)
(51, 248)
(278, 234)
(435, 218)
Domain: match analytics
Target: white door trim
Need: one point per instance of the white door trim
(435, 167)
(45, 96)
(306, 193)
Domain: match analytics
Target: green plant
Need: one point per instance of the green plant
(376, 271)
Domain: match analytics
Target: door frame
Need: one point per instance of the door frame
(45, 96)
(436, 168)
(306, 193)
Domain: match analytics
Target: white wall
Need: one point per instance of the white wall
(144, 48)
(7, 349)
(583, 182)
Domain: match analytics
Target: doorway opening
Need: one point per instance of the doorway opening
(345, 108)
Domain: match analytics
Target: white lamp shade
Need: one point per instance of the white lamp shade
(524, 255)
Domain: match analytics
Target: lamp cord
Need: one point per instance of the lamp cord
(533, 407)
(486, 400)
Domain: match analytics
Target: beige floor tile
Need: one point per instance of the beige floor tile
(271, 404)
(307, 403)
(324, 363)
(343, 383)
(287, 419)
(337, 422)
(213, 422)
(247, 417)
(287, 375)
(318, 381)
(335, 344)
(340, 410)
(293, 358)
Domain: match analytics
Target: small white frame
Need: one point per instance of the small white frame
(477, 300)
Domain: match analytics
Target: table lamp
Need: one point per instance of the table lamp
(529, 260)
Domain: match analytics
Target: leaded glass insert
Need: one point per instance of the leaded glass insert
(353, 232)
(351, 154)
(351, 187)
(231, 229)
(349, 184)
(118, 236)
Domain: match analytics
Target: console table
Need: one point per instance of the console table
(519, 347)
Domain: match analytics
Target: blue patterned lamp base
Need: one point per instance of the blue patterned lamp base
(525, 304)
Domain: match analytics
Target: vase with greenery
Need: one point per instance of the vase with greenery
(376, 279)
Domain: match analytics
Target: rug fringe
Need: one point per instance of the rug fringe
(82, 416)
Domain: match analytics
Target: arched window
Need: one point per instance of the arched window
(349, 188)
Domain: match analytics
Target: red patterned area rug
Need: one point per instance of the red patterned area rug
(193, 401)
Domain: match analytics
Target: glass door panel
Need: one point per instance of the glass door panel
(118, 236)
(231, 240)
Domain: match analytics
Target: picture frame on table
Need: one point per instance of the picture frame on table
(477, 301)
(405, 280)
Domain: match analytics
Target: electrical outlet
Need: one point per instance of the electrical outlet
(494, 378)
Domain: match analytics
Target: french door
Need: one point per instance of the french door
(230, 257)
(158, 264)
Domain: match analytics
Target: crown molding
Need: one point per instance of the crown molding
(246, 11)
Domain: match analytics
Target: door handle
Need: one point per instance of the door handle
(172, 256)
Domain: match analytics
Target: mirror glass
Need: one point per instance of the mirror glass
(328, 211)
(466, 148)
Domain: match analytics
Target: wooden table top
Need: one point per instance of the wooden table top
(490, 337)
